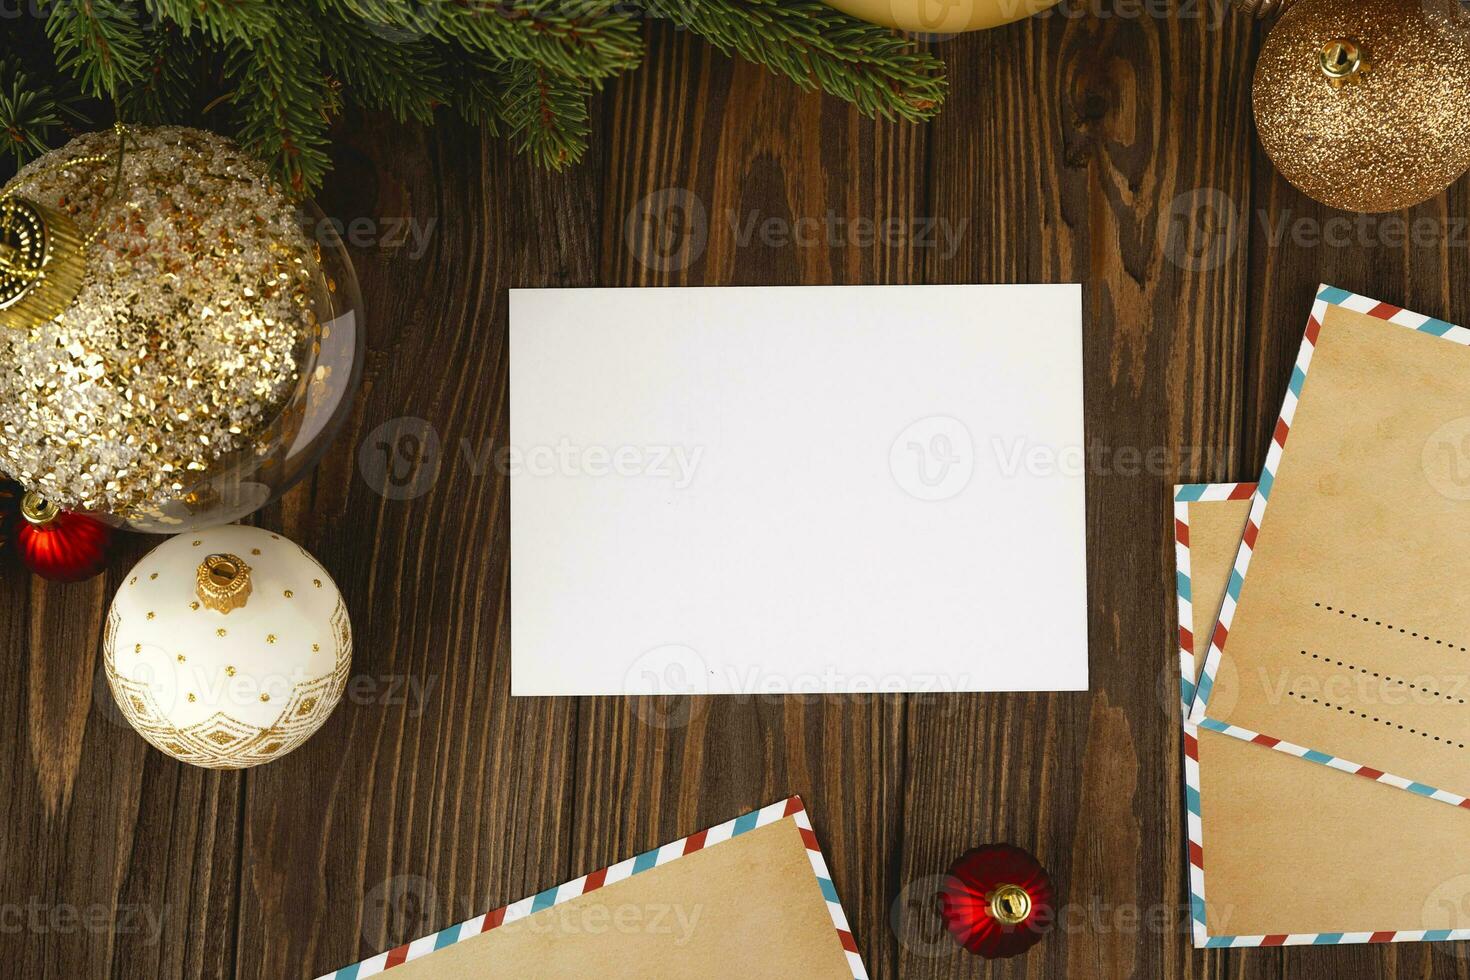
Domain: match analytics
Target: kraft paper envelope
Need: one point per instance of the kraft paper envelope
(1344, 636)
(797, 490)
(1283, 851)
(749, 898)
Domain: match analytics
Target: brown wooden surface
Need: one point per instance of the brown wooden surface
(1070, 146)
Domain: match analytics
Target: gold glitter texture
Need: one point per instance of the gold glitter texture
(187, 336)
(1398, 135)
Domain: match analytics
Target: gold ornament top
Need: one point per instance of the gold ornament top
(223, 582)
(37, 510)
(41, 259)
(1343, 62)
(1010, 904)
(43, 253)
(186, 338)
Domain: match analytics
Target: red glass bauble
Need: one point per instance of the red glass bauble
(60, 545)
(997, 901)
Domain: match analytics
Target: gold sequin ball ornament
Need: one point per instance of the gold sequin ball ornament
(179, 340)
(1364, 105)
(228, 647)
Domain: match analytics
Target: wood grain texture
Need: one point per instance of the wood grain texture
(1112, 148)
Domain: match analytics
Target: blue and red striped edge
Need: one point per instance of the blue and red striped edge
(1194, 693)
(1326, 296)
(791, 807)
(1183, 497)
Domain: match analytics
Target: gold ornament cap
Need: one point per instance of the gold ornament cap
(1344, 61)
(1010, 905)
(37, 510)
(42, 258)
(223, 582)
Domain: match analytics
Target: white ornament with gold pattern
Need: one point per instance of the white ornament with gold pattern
(228, 647)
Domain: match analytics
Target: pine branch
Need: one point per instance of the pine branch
(284, 99)
(222, 20)
(477, 96)
(879, 71)
(546, 113)
(590, 38)
(99, 42)
(404, 77)
(168, 90)
(525, 67)
(29, 112)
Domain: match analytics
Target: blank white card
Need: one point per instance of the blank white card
(782, 490)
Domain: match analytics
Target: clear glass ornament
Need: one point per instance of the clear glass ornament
(291, 446)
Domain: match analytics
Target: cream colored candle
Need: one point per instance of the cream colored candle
(942, 16)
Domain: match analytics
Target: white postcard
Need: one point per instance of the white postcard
(794, 490)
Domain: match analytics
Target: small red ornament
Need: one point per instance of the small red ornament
(997, 901)
(60, 545)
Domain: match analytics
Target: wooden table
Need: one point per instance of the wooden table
(1114, 150)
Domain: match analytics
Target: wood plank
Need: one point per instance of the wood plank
(407, 814)
(1070, 141)
(765, 165)
(114, 860)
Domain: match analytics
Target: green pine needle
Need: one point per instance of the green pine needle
(172, 73)
(283, 100)
(477, 94)
(30, 113)
(525, 68)
(817, 46)
(403, 76)
(99, 42)
(222, 20)
(546, 114)
(586, 38)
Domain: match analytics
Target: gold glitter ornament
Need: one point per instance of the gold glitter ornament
(1364, 105)
(208, 352)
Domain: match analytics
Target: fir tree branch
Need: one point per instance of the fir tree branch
(404, 77)
(99, 42)
(575, 37)
(222, 20)
(283, 99)
(879, 71)
(525, 67)
(546, 113)
(477, 97)
(29, 112)
(169, 87)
